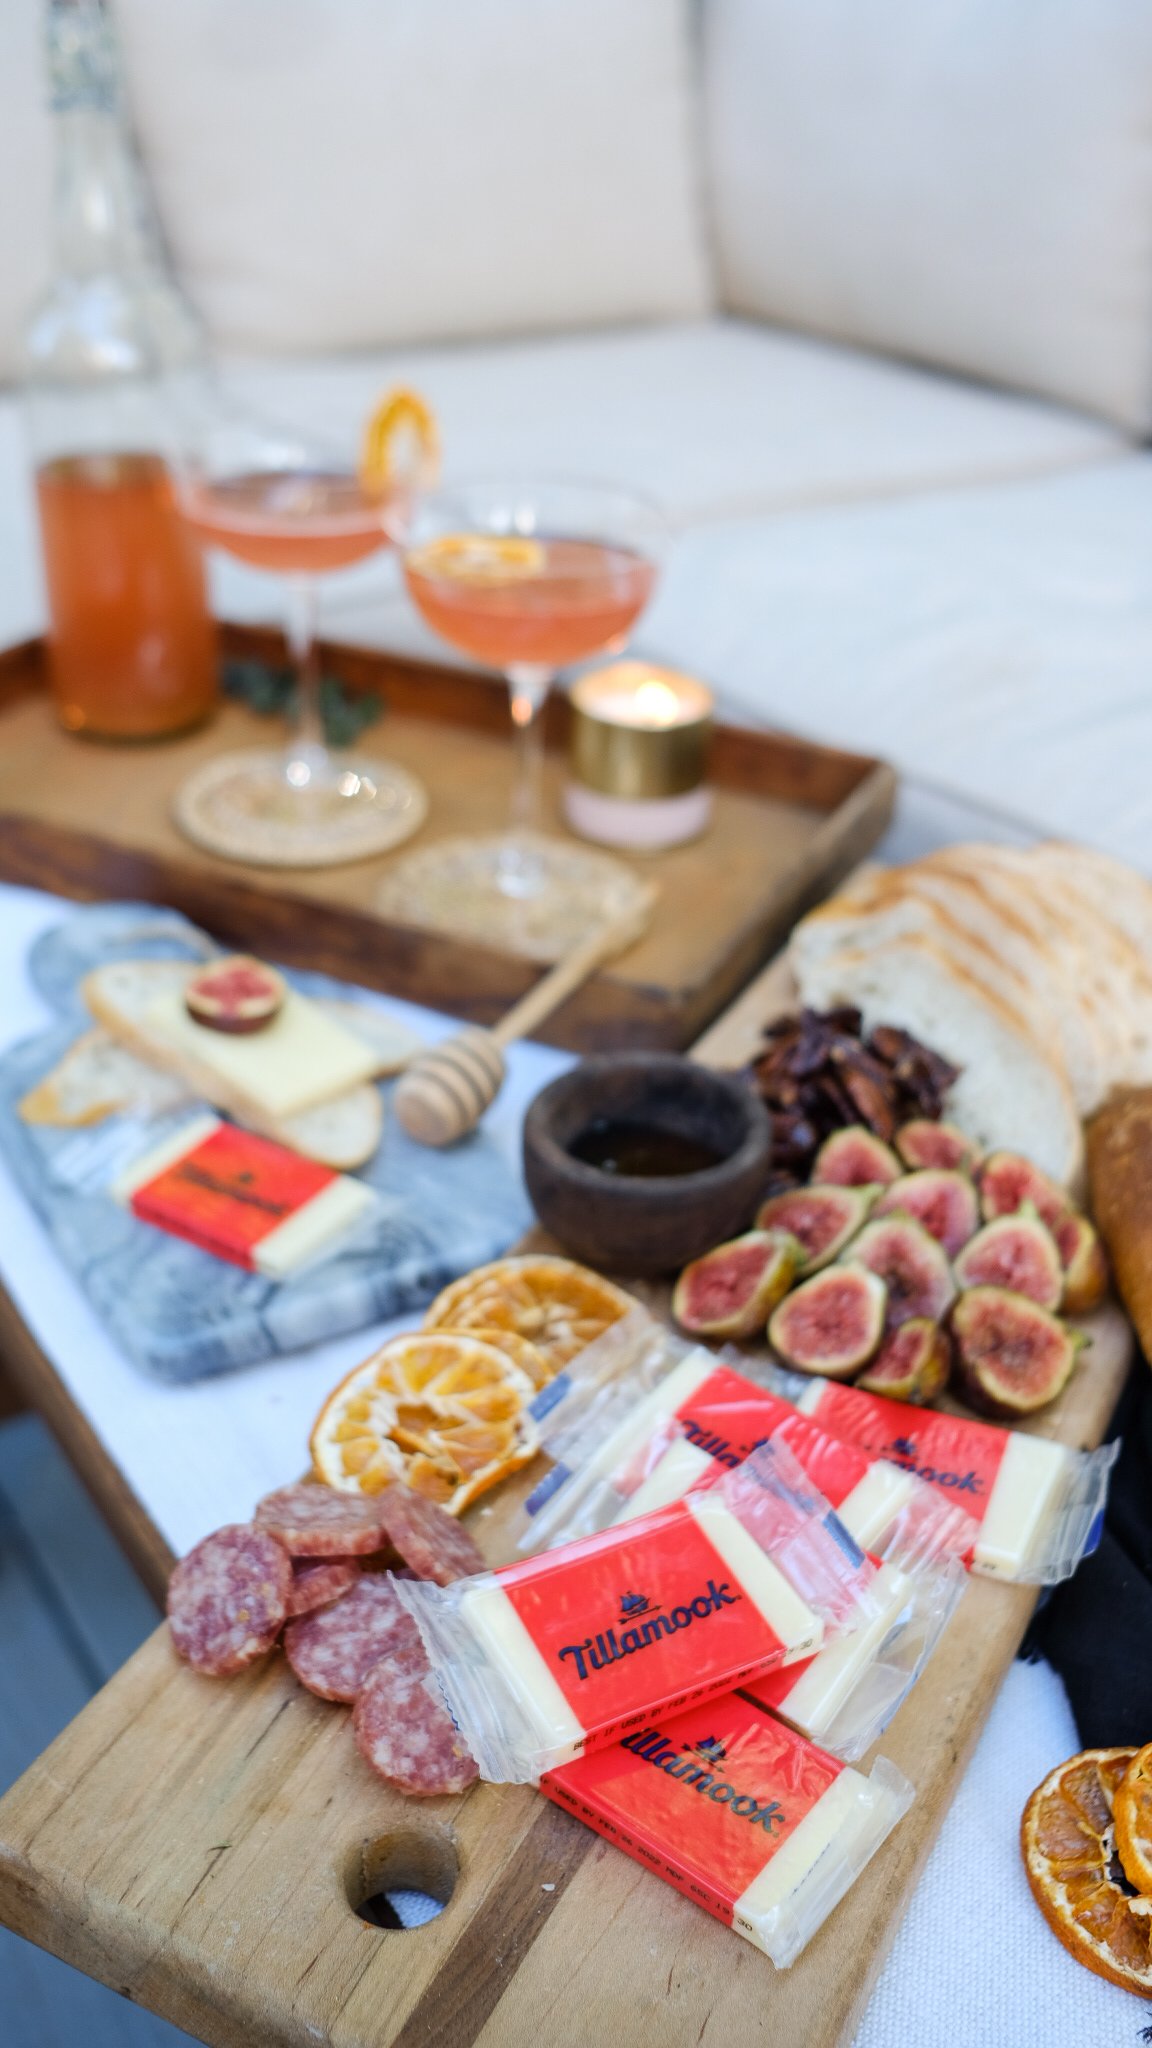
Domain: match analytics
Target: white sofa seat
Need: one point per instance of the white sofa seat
(715, 420)
(994, 641)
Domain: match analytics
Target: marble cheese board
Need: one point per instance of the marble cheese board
(179, 1313)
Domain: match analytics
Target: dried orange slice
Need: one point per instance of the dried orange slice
(401, 443)
(446, 1413)
(520, 1350)
(1068, 1837)
(1133, 1812)
(557, 1305)
(479, 557)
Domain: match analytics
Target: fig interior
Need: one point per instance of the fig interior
(639, 1150)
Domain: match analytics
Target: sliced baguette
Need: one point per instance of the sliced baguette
(97, 1078)
(343, 1132)
(1009, 1094)
(1102, 969)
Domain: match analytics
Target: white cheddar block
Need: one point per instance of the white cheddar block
(301, 1058)
(788, 1616)
(313, 1230)
(674, 1475)
(814, 1701)
(492, 1619)
(831, 1833)
(1031, 1475)
(873, 1505)
(161, 1156)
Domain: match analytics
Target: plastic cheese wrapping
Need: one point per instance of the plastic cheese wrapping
(761, 1828)
(562, 1653)
(1039, 1505)
(662, 1430)
(704, 1417)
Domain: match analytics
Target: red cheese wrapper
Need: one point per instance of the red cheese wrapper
(741, 1814)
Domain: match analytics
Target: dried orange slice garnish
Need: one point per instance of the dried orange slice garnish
(1133, 1814)
(554, 1303)
(520, 1350)
(1068, 1836)
(445, 1413)
(479, 557)
(401, 444)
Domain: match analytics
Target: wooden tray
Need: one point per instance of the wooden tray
(198, 1845)
(90, 821)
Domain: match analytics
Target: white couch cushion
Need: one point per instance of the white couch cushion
(713, 418)
(343, 173)
(964, 181)
(714, 421)
(997, 642)
(25, 172)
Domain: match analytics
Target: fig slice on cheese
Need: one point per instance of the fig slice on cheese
(237, 995)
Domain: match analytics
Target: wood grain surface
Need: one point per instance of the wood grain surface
(201, 1845)
(92, 821)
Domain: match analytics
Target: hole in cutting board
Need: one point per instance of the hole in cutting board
(404, 1879)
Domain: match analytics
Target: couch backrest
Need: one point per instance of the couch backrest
(967, 182)
(336, 174)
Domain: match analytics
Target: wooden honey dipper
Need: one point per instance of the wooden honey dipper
(444, 1092)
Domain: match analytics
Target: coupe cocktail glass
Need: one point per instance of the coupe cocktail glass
(279, 503)
(529, 576)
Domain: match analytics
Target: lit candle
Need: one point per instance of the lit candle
(639, 754)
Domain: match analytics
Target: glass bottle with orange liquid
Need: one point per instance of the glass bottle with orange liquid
(131, 644)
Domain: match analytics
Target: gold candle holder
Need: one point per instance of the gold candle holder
(639, 756)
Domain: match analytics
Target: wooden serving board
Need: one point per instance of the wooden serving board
(201, 1846)
(92, 821)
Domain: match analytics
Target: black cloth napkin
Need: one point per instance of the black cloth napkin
(1096, 1629)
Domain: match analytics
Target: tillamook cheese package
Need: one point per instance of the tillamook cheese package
(571, 1650)
(761, 1828)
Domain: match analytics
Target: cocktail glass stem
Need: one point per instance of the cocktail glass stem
(521, 870)
(529, 684)
(308, 761)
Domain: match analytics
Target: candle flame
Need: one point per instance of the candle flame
(656, 703)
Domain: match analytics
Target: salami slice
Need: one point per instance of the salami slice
(317, 1584)
(314, 1520)
(228, 1599)
(427, 1537)
(333, 1650)
(404, 1731)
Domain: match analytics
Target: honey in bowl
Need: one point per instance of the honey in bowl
(632, 1150)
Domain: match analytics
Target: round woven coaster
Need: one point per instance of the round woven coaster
(241, 806)
(462, 886)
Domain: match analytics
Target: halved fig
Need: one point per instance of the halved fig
(831, 1324)
(1008, 1180)
(1015, 1252)
(1011, 1356)
(731, 1291)
(855, 1158)
(822, 1220)
(924, 1143)
(941, 1200)
(913, 1267)
(1085, 1264)
(912, 1364)
(237, 995)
